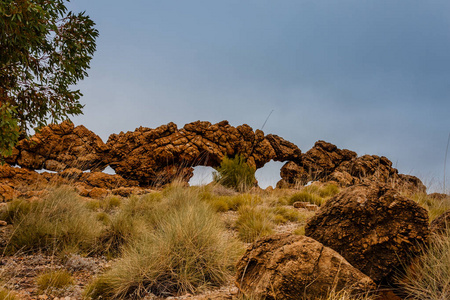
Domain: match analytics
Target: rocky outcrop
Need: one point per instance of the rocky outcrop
(21, 182)
(325, 162)
(159, 155)
(295, 267)
(373, 227)
(57, 147)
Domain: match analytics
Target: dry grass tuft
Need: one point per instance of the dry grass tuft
(428, 277)
(254, 222)
(6, 294)
(187, 251)
(435, 207)
(54, 281)
(57, 222)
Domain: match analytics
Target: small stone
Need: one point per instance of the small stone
(312, 207)
(3, 223)
(300, 204)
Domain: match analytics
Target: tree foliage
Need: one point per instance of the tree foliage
(44, 50)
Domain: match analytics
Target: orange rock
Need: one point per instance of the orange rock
(98, 193)
(6, 193)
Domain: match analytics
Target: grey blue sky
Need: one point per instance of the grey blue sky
(370, 76)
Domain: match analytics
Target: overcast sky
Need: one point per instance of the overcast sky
(369, 76)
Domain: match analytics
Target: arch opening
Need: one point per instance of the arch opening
(202, 175)
(269, 175)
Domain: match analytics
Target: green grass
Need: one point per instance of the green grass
(57, 222)
(187, 251)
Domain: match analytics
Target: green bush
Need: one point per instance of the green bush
(58, 221)
(189, 249)
(253, 223)
(235, 173)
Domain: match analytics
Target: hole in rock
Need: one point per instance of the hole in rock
(202, 175)
(45, 170)
(109, 170)
(269, 175)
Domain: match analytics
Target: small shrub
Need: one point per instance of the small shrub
(60, 220)
(253, 223)
(7, 294)
(428, 277)
(53, 281)
(188, 250)
(306, 197)
(235, 173)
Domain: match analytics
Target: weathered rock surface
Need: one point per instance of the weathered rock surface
(295, 267)
(441, 225)
(15, 182)
(159, 155)
(372, 226)
(325, 162)
(60, 146)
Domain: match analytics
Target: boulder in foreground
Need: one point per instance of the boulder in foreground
(375, 228)
(296, 267)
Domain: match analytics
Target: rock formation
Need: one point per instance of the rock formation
(158, 155)
(373, 227)
(325, 162)
(154, 157)
(295, 267)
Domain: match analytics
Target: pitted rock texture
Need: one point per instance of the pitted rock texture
(373, 227)
(159, 155)
(296, 267)
(57, 147)
(325, 162)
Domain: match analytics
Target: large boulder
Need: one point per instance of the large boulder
(374, 227)
(296, 267)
